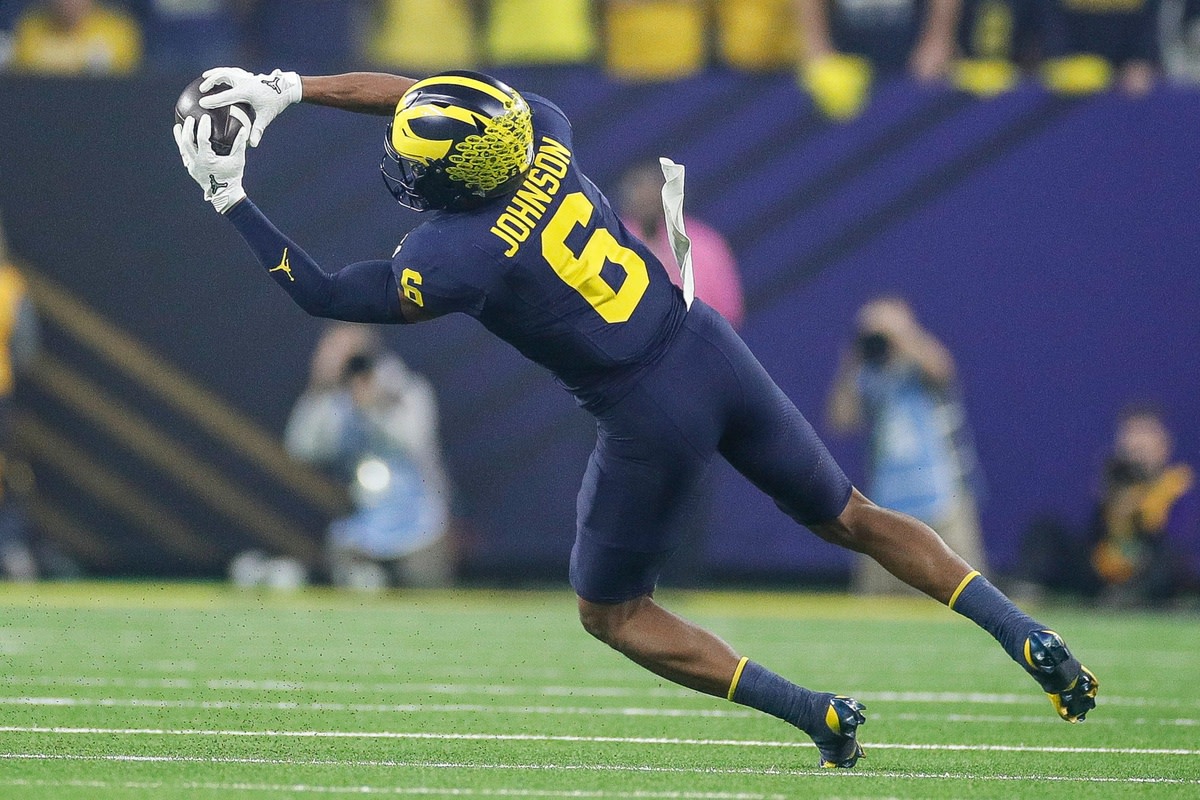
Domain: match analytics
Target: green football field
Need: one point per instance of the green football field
(171, 691)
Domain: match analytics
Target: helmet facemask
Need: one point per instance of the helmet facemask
(402, 175)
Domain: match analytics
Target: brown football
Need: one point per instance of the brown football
(225, 126)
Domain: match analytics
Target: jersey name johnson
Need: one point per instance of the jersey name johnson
(581, 272)
(537, 191)
(549, 269)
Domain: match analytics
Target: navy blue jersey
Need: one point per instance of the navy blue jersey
(551, 270)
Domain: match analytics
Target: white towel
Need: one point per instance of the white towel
(681, 245)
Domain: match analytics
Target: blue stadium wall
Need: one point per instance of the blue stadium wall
(1052, 243)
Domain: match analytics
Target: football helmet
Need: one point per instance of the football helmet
(458, 139)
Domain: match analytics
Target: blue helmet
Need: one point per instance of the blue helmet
(458, 139)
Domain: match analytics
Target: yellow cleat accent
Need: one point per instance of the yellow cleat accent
(840, 748)
(1052, 666)
(1088, 691)
(831, 719)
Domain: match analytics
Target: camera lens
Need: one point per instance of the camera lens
(874, 348)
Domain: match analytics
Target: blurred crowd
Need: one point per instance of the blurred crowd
(1139, 547)
(837, 48)
(372, 424)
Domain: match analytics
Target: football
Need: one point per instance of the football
(226, 121)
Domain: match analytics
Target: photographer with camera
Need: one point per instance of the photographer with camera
(371, 423)
(1146, 535)
(898, 381)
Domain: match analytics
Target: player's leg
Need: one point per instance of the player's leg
(648, 466)
(675, 649)
(662, 642)
(914, 553)
(771, 443)
(903, 545)
(635, 493)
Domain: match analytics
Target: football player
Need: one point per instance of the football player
(519, 238)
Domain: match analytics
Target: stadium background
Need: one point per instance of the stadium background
(1050, 242)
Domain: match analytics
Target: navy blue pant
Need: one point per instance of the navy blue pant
(707, 395)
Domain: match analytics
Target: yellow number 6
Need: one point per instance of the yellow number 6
(410, 279)
(582, 272)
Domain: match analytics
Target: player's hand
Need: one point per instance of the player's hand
(219, 176)
(268, 95)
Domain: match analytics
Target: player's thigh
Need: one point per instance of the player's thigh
(636, 496)
(770, 442)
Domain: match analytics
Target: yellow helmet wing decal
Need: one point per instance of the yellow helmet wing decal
(411, 144)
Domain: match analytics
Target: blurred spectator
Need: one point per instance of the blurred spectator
(899, 380)
(714, 267)
(757, 34)
(189, 35)
(655, 40)
(996, 43)
(372, 423)
(1181, 39)
(985, 29)
(72, 37)
(1146, 532)
(540, 31)
(424, 35)
(19, 339)
(9, 11)
(849, 42)
(1091, 44)
(1142, 545)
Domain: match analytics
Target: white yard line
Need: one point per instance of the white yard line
(240, 684)
(476, 708)
(535, 737)
(380, 708)
(641, 769)
(502, 690)
(309, 788)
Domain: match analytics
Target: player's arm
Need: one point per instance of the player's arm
(362, 292)
(365, 291)
(361, 92)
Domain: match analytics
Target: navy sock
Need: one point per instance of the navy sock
(988, 608)
(760, 688)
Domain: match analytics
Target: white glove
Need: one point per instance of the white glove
(219, 176)
(268, 95)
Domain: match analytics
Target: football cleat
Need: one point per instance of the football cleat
(1070, 685)
(839, 747)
